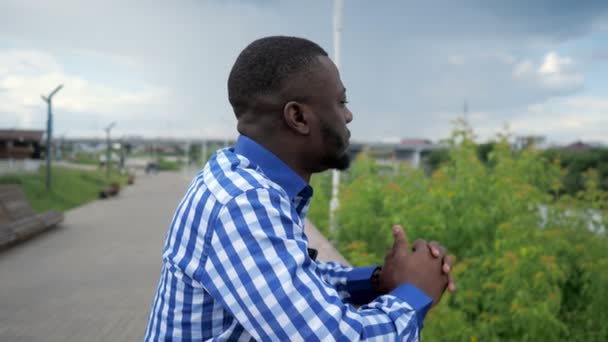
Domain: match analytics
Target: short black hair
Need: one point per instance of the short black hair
(265, 65)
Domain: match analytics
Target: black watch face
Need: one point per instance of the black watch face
(312, 253)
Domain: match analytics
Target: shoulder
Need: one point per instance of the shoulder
(231, 177)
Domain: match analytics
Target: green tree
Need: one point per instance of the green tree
(531, 266)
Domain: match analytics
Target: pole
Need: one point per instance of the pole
(49, 133)
(186, 167)
(108, 154)
(109, 149)
(204, 152)
(335, 175)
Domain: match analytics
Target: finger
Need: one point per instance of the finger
(451, 284)
(400, 239)
(419, 245)
(389, 253)
(437, 250)
(448, 262)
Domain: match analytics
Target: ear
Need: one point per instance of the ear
(297, 117)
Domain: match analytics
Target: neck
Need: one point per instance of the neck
(287, 151)
(293, 161)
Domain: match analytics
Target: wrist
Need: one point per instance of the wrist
(375, 279)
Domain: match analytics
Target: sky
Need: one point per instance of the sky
(159, 68)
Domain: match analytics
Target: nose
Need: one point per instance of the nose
(348, 115)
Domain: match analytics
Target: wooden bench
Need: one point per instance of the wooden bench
(18, 221)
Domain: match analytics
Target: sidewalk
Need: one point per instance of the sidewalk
(93, 278)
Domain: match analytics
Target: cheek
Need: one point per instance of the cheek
(318, 138)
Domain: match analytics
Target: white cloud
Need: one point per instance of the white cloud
(555, 73)
(554, 64)
(558, 72)
(566, 120)
(27, 74)
(394, 61)
(561, 120)
(14, 61)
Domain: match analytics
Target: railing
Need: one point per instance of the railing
(327, 252)
(19, 166)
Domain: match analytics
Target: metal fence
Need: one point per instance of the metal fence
(19, 166)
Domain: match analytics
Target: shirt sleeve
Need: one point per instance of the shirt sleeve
(352, 284)
(256, 265)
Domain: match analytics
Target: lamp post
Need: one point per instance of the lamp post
(49, 133)
(335, 179)
(109, 149)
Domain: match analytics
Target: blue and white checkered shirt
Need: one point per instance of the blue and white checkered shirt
(236, 267)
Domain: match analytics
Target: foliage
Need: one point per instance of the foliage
(86, 158)
(169, 165)
(531, 260)
(319, 206)
(576, 163)
(70, 187)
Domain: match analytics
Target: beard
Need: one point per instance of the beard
(337, 156)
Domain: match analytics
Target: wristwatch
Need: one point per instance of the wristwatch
(312, 253)
(376, 279)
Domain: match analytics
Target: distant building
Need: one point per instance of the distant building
(20, 144)
(578, 146)
(410, 151)
(416, 142)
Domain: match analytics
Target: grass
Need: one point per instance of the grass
(86, 158)
(169, 165)
(70, 187)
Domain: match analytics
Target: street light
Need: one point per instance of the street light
(109, 149)
(49, 133)
(335, 174)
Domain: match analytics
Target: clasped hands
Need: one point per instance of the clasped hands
(426, 266)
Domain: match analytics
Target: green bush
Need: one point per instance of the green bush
(576, 163)
(319, 206)
(573, 163)
(169, 165)
(522, 275)
(86, 158)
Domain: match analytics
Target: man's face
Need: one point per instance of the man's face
(336, 143)
(330, 136)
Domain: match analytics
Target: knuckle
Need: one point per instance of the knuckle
(418, 243)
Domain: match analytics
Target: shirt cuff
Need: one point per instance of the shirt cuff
(359, 285)
(417, 299)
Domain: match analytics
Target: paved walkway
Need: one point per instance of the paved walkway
(93, 277)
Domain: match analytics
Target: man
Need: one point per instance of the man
(235, 262)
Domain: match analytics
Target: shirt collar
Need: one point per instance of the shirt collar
(273, 167)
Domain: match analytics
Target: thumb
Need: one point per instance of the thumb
(401, 242)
